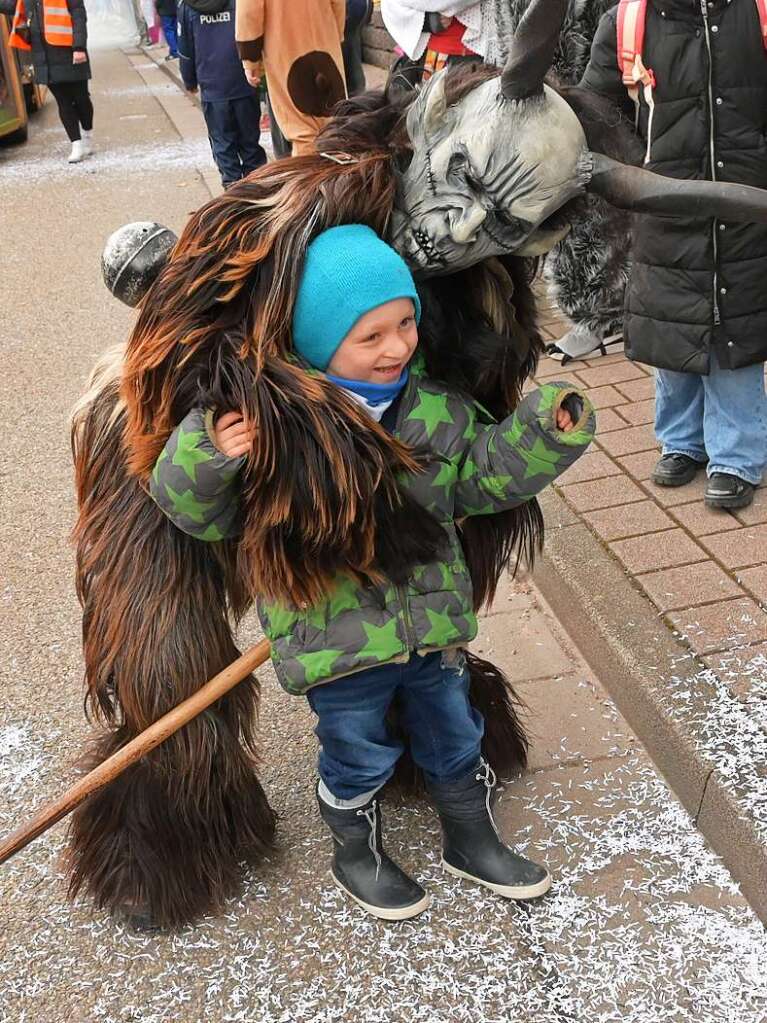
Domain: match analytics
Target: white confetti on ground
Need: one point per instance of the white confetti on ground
(729, 731)
(147, 158)
(643, 926)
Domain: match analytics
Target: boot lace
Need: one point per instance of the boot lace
(487, 775)
(370, 817)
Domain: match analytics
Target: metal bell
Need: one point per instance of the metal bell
(133, 258)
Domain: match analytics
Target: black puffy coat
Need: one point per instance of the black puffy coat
(697, 286)
(53, 64)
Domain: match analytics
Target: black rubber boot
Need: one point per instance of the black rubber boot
(727, 491)
(675, 470)
(472, 847)
(363, 870)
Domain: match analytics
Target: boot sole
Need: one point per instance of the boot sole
(743, 501)
(675, 481)
(519, 892)
(403, 913)
(678, 481)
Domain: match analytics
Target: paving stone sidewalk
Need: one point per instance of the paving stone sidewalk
(699, 698)
(705, 570)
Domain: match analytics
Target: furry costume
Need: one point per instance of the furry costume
(156, 603)
(214, 332)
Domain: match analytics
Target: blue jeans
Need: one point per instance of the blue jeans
(234, 131)
(358, 753)
(722, 416)
(168, 22)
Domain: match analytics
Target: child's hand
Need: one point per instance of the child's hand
(233, 436)
(569, 412)
(564, 420)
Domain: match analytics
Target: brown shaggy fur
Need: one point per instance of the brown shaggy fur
(172, 832)
(321, 495)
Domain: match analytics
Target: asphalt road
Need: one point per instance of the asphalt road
(643, 923)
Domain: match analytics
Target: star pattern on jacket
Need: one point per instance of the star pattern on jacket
(189, 506)
(431, 410)
(188, 454)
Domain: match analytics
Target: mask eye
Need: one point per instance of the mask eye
(456, 165)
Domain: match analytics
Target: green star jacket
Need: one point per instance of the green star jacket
(478, 467)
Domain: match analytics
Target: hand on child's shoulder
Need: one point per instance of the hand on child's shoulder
(233, 435)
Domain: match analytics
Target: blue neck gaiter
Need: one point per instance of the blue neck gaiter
(373, 394)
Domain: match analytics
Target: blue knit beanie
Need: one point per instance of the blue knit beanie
(347, 272)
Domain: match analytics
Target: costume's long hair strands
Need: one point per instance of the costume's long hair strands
(321, 495)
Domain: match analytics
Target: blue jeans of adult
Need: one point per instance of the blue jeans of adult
(234, 131)
(722, 417)
(358, 752)
(168, 22)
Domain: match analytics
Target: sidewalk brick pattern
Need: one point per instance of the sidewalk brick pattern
(704, 570)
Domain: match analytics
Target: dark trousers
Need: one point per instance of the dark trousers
(168, 22)
(351, 49)
(234, 130)
(358, 751)
(75, 107)
(280, 145)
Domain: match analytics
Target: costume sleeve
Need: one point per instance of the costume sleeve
(79, 24)
(249, 23)
(195, 484)
(602, 74)
(339, 10)
(509, 463)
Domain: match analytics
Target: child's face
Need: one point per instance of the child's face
(379, 345)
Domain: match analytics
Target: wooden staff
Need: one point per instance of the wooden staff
(134, 750)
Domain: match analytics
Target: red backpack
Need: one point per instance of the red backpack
(632, 15)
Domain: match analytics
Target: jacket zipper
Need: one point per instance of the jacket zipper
(409, 631)
(712, 157)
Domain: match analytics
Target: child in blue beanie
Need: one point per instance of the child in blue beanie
(356, 320)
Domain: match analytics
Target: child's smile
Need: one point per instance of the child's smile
(379, 345)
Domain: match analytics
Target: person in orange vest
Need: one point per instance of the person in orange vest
(55, 32)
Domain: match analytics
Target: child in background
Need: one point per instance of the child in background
(167, 12)
(231, 107)
(356, 321)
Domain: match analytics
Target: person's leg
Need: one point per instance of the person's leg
(141, 26)
(357, 754)
(678, 427)
(169, 31)
(222, 136)
(280, 145)
(62, 93)
(445, 734)
(735, 423)
(357, 757)
(351, 49)
(246, 113)
(679, 413)
(444, 730)
(83, 104)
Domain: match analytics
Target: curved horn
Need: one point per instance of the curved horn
(641, 191)
(532, 48)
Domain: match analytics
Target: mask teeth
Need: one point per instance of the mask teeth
(424, 242)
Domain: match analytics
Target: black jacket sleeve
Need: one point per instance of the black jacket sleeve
(79, 24)
(602, 74)
(187, 60)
